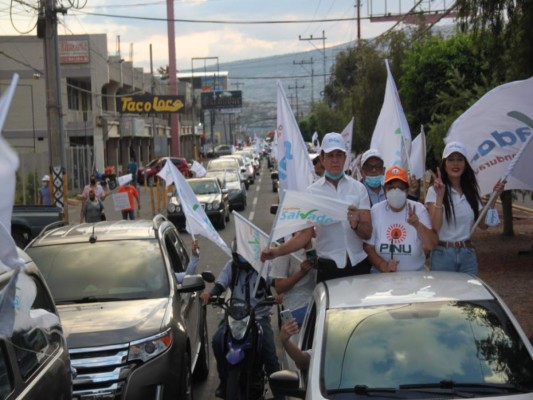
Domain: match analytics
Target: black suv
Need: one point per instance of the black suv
(135, 332)
(34, 362)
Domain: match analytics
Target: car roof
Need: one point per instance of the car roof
(204, 179)
(404, 287)
(104, 231)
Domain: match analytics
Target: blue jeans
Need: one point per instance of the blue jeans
(270, 357)
(130, 214)
(454, 259)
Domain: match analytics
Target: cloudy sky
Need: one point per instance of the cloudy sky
(235, 32)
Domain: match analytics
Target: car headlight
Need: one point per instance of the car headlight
(216, 205)
(238, 326)
(178, 209)
(209, 206)
(148, 348)
(171, 208)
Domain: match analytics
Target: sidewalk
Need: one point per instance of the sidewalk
(113, 215)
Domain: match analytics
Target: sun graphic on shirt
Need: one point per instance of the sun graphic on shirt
(396, 232)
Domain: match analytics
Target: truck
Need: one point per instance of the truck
(27, 221)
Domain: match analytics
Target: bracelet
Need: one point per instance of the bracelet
(436, 206)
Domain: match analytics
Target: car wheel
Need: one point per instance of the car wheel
(227, 216)
(20, 238)
(185, 388)
(201, 371)
(243, 206)
(222, 222)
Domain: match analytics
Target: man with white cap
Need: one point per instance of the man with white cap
(339, 245)
(44, 192)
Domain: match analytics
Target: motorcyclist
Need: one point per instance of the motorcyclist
(240, 277)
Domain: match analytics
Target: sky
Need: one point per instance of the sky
(225, 39)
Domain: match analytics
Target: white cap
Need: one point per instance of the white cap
(332, 141)
(369, 154)
(45, 178)
(454, 147)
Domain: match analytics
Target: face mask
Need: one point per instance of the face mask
(396, 198)
(374, 181)
(334, 177)
(92, 198)
(93, 181)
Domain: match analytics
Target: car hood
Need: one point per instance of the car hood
(105, 323)
(208, 198)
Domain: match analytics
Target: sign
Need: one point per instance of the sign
(152, 104)
(224, 99)
(74, 51)
(213, 83)
(121, 201)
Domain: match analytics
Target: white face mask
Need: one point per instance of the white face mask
(396, 198)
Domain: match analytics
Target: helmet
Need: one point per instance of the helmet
(238, 260)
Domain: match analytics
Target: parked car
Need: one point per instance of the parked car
(135, 333)
(34, 360)
(213, 199)
(246, 167)
(223, 149)
(410, 335)
(28, 221)
(149, 171)
(234, 183)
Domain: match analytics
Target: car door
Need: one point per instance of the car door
(191, 309)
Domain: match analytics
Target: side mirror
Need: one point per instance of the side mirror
(191, 283)
(287, 383)
(208, 276)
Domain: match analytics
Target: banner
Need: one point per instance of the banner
(390, 127)
(418, 155)
(122, 180)
(301, 210)
(316, 142)
(520, 167)
(197, 221)
(250, 240)
(493, 130)
(347, 134)
(295, 169)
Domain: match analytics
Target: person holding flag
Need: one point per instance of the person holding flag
(240, 276)
(339, 244)
(454, 205)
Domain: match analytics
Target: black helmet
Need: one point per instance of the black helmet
(239, 260)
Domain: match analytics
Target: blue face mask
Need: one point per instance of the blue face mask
(334, 177)
(374, 181)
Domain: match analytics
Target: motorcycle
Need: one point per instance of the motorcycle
(242, 343)
(108, 178)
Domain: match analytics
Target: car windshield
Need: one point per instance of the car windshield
(240, 160)
(103, 271)
(209, 187)
(223, 163)
(424, 343)
(228, 176)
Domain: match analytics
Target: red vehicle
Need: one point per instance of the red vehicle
(150, 170)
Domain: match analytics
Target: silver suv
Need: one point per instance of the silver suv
(134, 331)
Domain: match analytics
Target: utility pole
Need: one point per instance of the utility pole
(238, 85)
(296, 87)
(358, 5)
(173, 88)
(152, 91)
(47, 30)
(323, 38)
(311, 62)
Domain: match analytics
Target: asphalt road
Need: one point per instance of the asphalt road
(260, 198)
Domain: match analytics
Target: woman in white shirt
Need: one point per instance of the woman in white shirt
(454, 205)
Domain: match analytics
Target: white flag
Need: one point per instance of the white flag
(122, 180)
(198, 169)
(418, 155)
(300, 210)
(390, 127)
(295, 170)
(250, 241)
(347, 134)
(197, 221)
(493, 130)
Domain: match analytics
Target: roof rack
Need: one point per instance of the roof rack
(51, 226)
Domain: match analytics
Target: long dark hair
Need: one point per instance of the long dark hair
(469, 186)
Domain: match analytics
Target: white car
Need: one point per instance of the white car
(410, 335)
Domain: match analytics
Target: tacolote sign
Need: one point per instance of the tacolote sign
(152, 104)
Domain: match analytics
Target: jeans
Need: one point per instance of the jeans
(454, 259)
(130, 214)
(270, 357)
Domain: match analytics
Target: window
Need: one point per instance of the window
(176, 251)
(6, 378)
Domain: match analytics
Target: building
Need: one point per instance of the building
(96, 133)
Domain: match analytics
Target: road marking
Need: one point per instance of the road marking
(254, 202)
(251, 216)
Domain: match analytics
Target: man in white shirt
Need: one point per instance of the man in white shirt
(339, 245)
